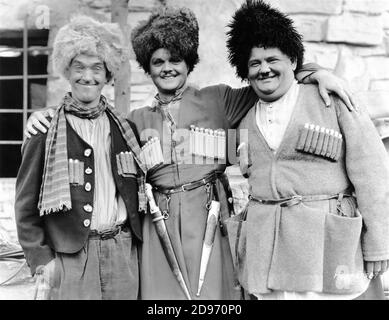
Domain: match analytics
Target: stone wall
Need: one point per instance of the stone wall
(350, 37)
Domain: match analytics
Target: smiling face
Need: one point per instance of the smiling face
(168, 73)
(270, 72)
(87, 76)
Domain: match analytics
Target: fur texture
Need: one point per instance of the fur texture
(256, 24)
(84, 35)
(175, 29)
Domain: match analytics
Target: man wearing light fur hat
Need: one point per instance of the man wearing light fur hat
(77, 187)
(317, 224)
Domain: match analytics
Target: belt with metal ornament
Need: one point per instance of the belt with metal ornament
(296, 199)
(191, 185)
(107, 233)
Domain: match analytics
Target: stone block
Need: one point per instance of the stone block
(376, 102)
(309, 6)
(353, 69)
(385, 19)
(379, 85)
(378, 67)
(9, 15)
(97, 4)
(143, 5)
(366, 6)
(12, 13)
(312, 27)
(326, 55)
(362, 51)
(386, 44)
(355, 29)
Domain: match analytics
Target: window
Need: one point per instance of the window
(23, 77)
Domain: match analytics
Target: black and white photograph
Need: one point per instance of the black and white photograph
(216, 152)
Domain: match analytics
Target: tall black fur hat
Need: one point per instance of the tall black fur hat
(175, 29)
(256, 24)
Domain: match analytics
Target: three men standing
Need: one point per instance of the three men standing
(167, 50)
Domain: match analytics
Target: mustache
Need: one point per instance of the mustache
(168, 73)
(266, 75)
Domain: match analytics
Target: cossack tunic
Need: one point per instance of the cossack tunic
(216, 107)
(317, 245)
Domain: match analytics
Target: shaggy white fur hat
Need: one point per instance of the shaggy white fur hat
(84, 35)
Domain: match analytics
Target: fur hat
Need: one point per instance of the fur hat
(175, 29)
(256, 24)
(84, 35)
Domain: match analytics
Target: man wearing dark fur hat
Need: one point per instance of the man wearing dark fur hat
(76, 191)
(316, 176)
(190, 183)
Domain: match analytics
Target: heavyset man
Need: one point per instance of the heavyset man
(317, 225)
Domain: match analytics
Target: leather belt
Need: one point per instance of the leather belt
(107, 233)
(296, 199)
(191, 185)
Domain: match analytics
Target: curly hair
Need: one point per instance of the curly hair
(174, 29)
(257, 24)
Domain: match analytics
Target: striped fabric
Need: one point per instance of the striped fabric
(55, 189)
(165, 105)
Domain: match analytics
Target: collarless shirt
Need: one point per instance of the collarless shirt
(272, 118)
(108, 206)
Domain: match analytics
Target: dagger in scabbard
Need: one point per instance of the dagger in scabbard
(163, 236)
(209, 238)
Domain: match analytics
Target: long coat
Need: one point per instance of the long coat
(316, 245)
(214, 108)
